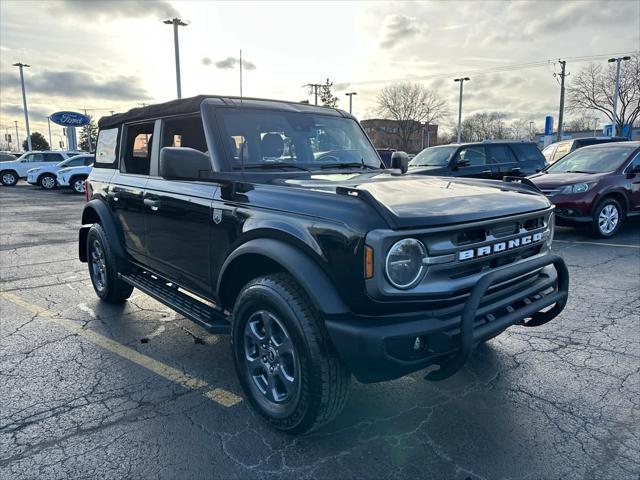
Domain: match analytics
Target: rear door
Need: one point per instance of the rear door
(634, 179)
(530, 158)
(502, 156)
(472, 161)
(126, 191)
(178, 214)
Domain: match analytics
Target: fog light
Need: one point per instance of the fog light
(419, 344)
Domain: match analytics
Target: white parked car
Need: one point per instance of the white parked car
(11, 172)
(73, 177)
(46, 176)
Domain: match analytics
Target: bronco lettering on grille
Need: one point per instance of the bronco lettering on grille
(500, 247)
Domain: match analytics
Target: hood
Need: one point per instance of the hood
(552, 180)
(410, 201)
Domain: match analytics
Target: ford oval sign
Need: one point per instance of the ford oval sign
(69, 119)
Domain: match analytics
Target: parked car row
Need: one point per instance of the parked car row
(49, 169)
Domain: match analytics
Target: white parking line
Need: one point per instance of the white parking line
(598, 243)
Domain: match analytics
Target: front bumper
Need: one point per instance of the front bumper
(62, 182)
(383, 348)
(32, 178)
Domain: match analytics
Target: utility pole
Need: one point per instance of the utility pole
(531, 130)
(314, 87)
(24, 101)
(176, 22)
(595, 125)
(17, 137)
(563, 66)
(617, 93)
(240, 65)
(461, 80)
(350, 95)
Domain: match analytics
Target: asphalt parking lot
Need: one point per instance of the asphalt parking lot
(89, 390)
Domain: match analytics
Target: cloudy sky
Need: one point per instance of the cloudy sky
(114, 55)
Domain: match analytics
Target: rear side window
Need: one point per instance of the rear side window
(136, 152)
(88, 161)
(500, 154)
(106, 148)
(184, 132)
(75, 162)
(52, 157)
(527, 152)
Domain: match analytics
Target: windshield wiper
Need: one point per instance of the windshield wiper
(271, 165)
(348, 165)
(578, 171)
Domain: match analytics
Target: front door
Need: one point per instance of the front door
(472, 161)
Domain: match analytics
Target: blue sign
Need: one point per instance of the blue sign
(548, 125)
(608, 130)
(69, 119)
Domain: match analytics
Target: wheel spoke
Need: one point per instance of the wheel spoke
(271, 387)
(267, 324)
(287, 380)
(285, 347)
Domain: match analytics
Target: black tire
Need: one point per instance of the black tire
(607, 218)
(104, 266)
(77, 184)
(320, 384)
(47, 181)
(8, 178)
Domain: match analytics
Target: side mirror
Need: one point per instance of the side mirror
(183, 163)
(400, 160)
(635, 170)
(462, 163)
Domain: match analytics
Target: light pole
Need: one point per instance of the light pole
(617, 90)
(176, 22)
(350, 95)
(17, 137)
(595, 125)
(24, 101)
(531, 130)
(461, 80)
(49, 125)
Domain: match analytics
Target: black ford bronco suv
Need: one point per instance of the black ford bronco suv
(273, 222)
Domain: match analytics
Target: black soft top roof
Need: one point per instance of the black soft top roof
(192, 105)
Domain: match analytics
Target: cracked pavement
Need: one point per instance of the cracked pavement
(558, 401)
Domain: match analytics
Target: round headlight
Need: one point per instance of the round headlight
(404, 265)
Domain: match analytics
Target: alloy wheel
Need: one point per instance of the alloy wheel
(78, 185)
(271, 360)
(608, 219)
(48, 182)
(98, 266)
(8, 178)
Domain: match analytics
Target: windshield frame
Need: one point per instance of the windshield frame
(221, 156)
(453, 148)
(554, 168)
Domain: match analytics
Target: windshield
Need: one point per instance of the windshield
(275, 139)
(434, 156)
(592, 160)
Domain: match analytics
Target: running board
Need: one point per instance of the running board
(208, 317)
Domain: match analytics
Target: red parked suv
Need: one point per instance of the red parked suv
(597, 185)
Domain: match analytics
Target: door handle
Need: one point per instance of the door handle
(154, 205)
(517, 169)
(485, 171)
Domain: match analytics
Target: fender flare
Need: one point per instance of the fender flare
(299, 265)
(109, 224)
(610, 191)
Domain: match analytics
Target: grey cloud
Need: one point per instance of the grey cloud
(102, 10)
(206, 61)
(231, 62)
(15, 111)
(340, 86)
(398, 28)
(79, 84)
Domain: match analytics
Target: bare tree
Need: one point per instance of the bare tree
(579, 124)
(592, 89)
(519, 129)
(484, 126)
(410, 105)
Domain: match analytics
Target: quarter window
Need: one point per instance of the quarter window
(106, 146)
(52, 157)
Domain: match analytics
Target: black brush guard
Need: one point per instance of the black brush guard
(469, 335)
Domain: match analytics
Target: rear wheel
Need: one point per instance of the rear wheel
(8, 178)
(607, 218)
(104, 267)
(77, 184)
(47, 181)
(287, 366)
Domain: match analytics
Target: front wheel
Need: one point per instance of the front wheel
(48, 182)
(287, 366)
(104, 267)
(77, 184)
(607, 218)
(8, 178)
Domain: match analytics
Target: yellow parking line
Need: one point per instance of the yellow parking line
(218, 395)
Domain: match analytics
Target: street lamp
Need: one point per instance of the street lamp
(461, 80)
(24, 103)
(617, 90)
(176, 22)
(350, 95)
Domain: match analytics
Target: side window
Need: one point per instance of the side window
(106, 147)
(500, 154)
(474, 155)
(136, 153)
(35, 158)
(527, 151)
(184, 132)
(86, 161)
(52, 157)
(75, 162)
(562, 150)
(549, 151)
